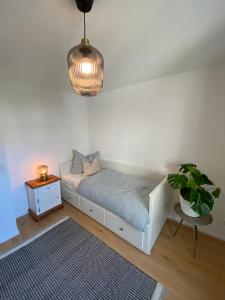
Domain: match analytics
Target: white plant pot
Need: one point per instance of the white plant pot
(186, 208)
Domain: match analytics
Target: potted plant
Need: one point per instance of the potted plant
(197, 191)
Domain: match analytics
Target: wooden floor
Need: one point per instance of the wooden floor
(171, 260)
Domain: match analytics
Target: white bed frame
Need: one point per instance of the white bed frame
(159, 204)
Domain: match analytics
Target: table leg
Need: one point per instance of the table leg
(195, 240)
(178, 227)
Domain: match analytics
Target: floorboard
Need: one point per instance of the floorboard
(171, 260)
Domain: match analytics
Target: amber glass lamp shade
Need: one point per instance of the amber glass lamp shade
(43, 172)
(86, 67)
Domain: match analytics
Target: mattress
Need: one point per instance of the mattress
(123, 195)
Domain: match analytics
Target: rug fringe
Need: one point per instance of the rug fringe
(32, 239)
(159, 293)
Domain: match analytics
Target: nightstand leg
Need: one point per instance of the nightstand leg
(195, 240)
(178, 227)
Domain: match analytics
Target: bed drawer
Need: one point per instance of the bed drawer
(72, 198)
(92, 210)
(124, 230)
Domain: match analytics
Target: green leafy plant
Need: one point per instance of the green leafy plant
(195, 187)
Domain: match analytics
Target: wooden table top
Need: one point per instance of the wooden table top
(36, 183)
(201, 220)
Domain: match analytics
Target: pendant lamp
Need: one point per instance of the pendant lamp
(85, 62)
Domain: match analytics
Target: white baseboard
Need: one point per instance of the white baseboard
(21, 212)
(172, 215)
(9, 235)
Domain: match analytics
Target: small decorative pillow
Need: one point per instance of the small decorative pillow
(92, 156)
(77, 167)
(91, 168)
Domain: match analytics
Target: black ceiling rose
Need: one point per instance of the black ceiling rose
(84, 5)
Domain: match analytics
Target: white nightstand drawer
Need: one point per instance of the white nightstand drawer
(92, 210)
(49, 187)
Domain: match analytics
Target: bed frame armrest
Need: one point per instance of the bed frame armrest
(64, 167)
(159, 205)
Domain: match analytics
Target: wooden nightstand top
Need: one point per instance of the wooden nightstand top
(36, 183)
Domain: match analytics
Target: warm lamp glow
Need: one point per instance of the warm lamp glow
(43, 172)
(86, 68)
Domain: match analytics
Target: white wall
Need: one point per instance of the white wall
(38, 126)
(164, 122)
(8, 227)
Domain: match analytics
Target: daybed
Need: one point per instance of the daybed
(134, 229)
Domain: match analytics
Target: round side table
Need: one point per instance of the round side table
(201, 220)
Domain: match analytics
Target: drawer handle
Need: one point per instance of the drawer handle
(121, 228)
(91, 210)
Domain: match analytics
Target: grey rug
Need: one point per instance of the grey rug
(67, 262)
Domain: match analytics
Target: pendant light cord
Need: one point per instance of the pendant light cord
(84, 27)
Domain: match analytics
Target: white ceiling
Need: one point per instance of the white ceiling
(139, 39)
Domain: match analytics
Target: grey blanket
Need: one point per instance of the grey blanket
(124, 195)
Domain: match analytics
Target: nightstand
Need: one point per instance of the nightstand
(43, 196)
